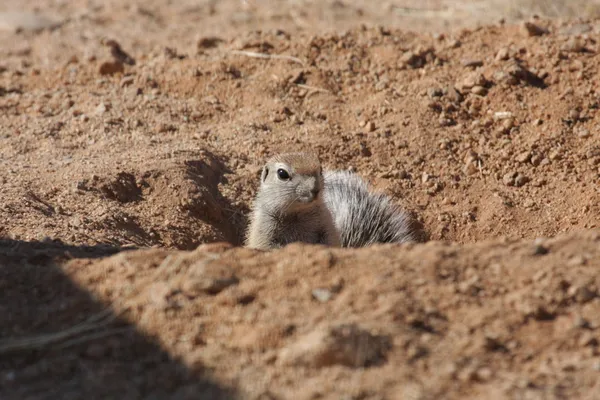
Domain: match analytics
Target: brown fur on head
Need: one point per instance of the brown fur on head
(291, 182)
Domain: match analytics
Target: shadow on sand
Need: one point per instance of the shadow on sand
(38, 299)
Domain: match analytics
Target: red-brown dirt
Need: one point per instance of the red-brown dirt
(131, 140)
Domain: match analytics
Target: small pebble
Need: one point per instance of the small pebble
(502, 54)
(479, 90)
(434, 92)
(322, 295)
(575, 45)
(520, 180)
(111, 68)
(472, 63)
(509, 178)
(574, 115)
(502, 115)
(524, 157)
(532, 29)
(583, 133)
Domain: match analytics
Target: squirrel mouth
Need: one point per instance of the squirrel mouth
(308, 198)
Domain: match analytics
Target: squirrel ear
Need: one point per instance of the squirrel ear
(265, 173)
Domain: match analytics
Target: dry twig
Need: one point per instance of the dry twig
(267, 56)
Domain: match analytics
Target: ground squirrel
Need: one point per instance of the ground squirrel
(299, 202)
(289, 206)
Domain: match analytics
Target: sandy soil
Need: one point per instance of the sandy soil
(131, 140)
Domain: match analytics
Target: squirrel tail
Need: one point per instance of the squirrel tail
(363, 217)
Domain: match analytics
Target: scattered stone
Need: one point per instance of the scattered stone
(158, 295)
(211, 99)
(479, 90)
(583, 133)
(532, 29)
(345, 344)
(443, 121)
(520, 180)
(209, 277)
(117, 52)
(588, 339)
(470, 169)
(434, 92)
(514, 72)
(574, 45)
(123, 188)
(508, 124)
(102, 108)
(417, 58)
(500, 115)
(472, 63)
(483, 374)
(17, 21)
(509, 178)
(505, 77)
(164, 127)
(555, 155)
(111, 68)
(574, 115)
(471, 80)
(370, 126)
(322, 295)
(536, 159)
(524, 157)
(503, 54)
(581, 293)
(209, 42)
(126, 81)
(540, 313)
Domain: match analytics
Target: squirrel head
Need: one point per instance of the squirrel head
(291, 182)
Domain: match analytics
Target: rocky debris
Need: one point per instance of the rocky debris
(208, 42)
(117, 52)
(472, 80)
(417, 58)
(122, 188)
(119, 58)
(514, 179)
(469, 63)
(111, 68)
(514, 72)
(345, 344)
(322, 295)
(208, 276)
(532, 29)
(574, 45)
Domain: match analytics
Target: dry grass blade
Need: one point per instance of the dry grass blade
(313, 88)
(267, 56)
(94, 336)
(38, 341)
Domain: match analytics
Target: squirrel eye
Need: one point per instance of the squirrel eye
(283, 174)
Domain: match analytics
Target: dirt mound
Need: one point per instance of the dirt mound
(174, 202)
(500, 319)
